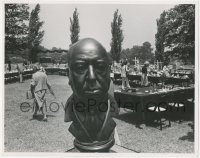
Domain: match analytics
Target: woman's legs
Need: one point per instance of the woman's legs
(39, 96)
(123, 83)
(142, 80)
(127, 83)
(20, 78)
(43, 109)
(145, 80)
(36, 108)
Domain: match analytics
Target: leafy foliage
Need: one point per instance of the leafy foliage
(176, 33)
(160, 38)
(117, 36)
(74, 28)
(35, 34)
(143, 53)
(16, 29)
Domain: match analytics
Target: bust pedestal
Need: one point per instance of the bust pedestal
(94, 147)
(114, 149)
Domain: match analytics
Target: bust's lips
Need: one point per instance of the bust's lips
(93, 92)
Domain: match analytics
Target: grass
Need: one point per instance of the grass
(22, 134)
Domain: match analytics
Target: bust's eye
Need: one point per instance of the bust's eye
(80, 67)
(100, 66)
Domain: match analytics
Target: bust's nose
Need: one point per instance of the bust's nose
(91, 73)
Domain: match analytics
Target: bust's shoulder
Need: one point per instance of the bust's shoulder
(113, 106)
(69, 109)
(70, 99)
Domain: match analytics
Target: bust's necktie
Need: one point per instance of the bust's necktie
(92, 124)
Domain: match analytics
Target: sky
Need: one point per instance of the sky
(139, 23)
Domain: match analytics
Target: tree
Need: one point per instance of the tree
(16, 29)
(54, 48)
(35, 34)
(179, 28)
(147, 54)
(117, 36)
(74, 28)
(143, 53)
(160, 37)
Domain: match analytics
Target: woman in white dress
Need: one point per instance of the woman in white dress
(124, 70)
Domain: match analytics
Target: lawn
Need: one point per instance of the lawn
(23, 134)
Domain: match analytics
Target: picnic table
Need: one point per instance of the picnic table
(15, 73)
(139, 100)
(13, 76)
(52, 70)
(154, 79)
(181, 74)
(134, 77)
(64, 71)
(57, 70)
(176, 81)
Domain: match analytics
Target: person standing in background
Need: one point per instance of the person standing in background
(112, 75)
(112, 71)
(166, 71)
(25, 64)
(39, 87)
(9, 65)
(124, 70)
(144, 78)
(20, 69)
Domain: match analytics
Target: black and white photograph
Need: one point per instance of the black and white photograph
(100, 77)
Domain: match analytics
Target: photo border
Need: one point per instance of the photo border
(48, 154)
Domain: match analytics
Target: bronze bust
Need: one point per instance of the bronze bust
(90, 107)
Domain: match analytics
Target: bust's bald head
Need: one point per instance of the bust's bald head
(89, 73)
(87, 46)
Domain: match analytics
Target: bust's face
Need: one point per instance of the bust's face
(89, 70)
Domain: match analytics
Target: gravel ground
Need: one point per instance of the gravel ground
(22, 134)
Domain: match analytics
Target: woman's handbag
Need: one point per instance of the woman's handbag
(29, 95)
